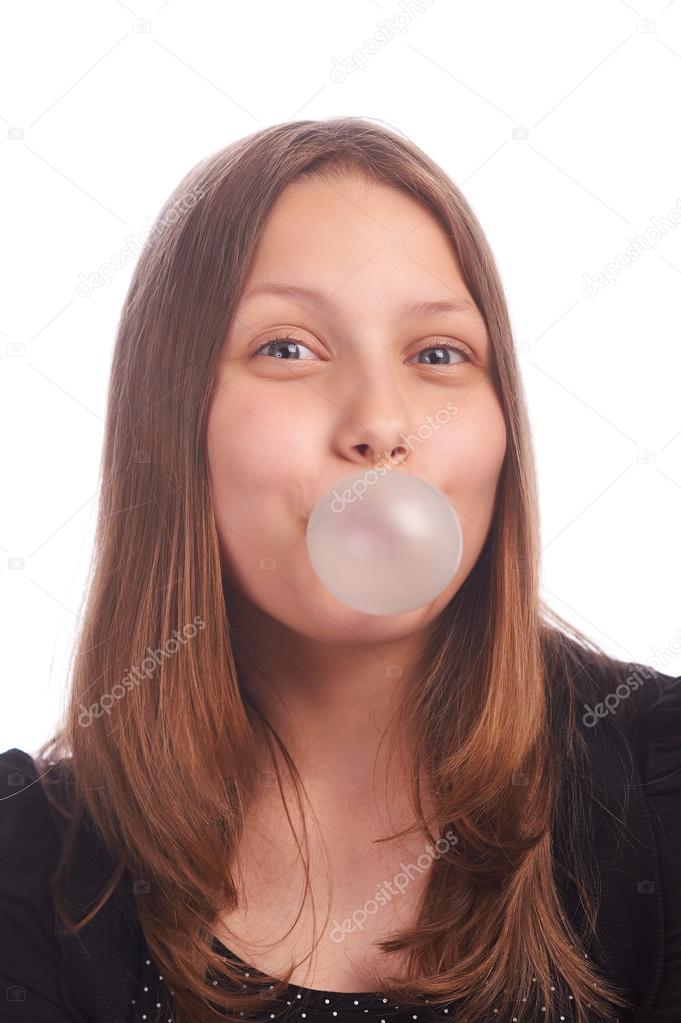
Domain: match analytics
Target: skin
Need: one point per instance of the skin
(281, 432)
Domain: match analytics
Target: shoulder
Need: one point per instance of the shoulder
(29, 852)
(635, 707)
(51, 974)
(645, 706)
(653, 727)
(610, 696)
(627, 718)
(29, 839)
(633, 720)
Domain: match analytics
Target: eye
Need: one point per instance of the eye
(443, 346)
(289, 344)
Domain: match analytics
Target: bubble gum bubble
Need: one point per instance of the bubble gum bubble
(384, 547)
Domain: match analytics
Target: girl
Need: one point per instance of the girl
(483, 803)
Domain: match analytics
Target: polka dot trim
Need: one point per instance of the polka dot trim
(312, 1005)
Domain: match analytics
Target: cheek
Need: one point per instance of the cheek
(472, 446)
(259, 453)
(472, 449)
(256, 445)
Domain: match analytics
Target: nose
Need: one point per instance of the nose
(397, 453)
(375, 425)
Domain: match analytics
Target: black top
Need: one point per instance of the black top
(106, 974)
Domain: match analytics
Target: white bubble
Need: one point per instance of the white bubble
(387, 548)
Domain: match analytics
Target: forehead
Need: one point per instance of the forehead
(357, 238)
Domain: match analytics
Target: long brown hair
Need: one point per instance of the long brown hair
(161, 754)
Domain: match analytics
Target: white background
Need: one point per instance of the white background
(558, 121)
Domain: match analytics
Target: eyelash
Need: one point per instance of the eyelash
(451, 345)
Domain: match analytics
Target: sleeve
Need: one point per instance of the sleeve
(30, 953)
(662, 788)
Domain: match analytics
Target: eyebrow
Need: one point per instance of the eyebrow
(310, 295)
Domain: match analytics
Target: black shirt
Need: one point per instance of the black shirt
(107, 974)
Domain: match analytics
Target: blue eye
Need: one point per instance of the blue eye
(289, 344)
(448, 346)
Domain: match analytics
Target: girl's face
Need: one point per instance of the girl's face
(360, 373)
